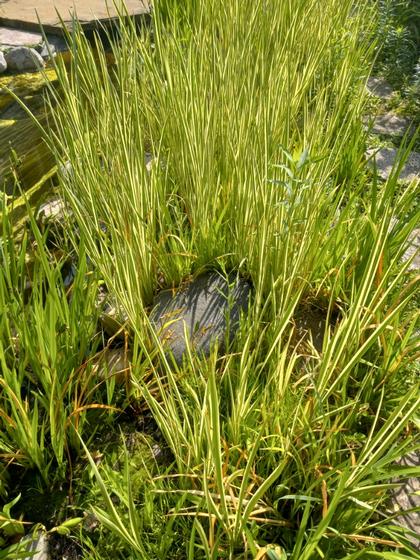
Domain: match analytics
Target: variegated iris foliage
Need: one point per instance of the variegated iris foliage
(252, 111)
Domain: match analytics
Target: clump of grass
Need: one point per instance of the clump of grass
(48, 332)
(252, 111)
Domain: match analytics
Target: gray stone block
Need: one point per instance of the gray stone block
(24, 59)
(379, 87)
(407, 497)
(385, 159)
(18, 38)
(391, 125)
(202, 312)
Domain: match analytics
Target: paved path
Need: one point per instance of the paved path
(393, 126)
(385, 160)
(24, 14)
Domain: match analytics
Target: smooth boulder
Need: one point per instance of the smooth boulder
(200, 313)
(11, 37)
(24, 59)
(112, 363)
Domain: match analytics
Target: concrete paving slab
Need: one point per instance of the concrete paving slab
(385, 159)
(391, 125)
(26, 14)
(379, 87)
(406, 498)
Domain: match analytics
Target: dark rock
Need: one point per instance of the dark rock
(69, 272)
(24, 59)
(3, 63)
(206, 310)
(63, 547)
(58, 43)
(310, 324)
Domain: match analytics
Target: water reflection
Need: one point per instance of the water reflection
(24, 157)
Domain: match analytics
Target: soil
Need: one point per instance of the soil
(310, 322)
(63, 548)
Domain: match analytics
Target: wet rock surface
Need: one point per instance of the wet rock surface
(24, 59)
(200, 313)
(385, 159)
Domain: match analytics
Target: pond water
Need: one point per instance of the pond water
(24, 157)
